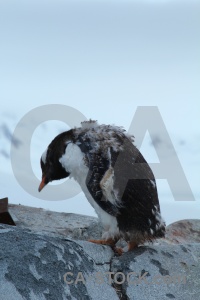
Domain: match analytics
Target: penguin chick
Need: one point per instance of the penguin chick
(115, 177)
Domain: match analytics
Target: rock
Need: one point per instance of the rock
(159, 272)
(184, 231)
(46, 257)
(33, 267)
(54, 223)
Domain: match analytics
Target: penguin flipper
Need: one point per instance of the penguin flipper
(96, 180)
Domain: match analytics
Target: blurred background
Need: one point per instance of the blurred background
(104, 59)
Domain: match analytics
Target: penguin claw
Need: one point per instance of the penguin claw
(118, 251)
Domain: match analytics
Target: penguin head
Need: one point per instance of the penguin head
(51, 167)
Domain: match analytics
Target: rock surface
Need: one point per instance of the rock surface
(37, 254)
(54, 223)
(184, 231)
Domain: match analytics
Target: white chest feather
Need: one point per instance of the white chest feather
(73, 162)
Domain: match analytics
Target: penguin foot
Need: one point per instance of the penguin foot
(119, 251)
(132, 245)
(129, 247)
(109, 242)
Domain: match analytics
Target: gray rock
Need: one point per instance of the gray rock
(184, 231)
(33, 267)
(55, 223)
(36, 255)
(159, 272)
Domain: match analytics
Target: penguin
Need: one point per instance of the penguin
(115, 178)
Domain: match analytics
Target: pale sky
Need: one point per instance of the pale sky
(103, 58)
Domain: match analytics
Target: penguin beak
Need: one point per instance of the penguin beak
(42, 184)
